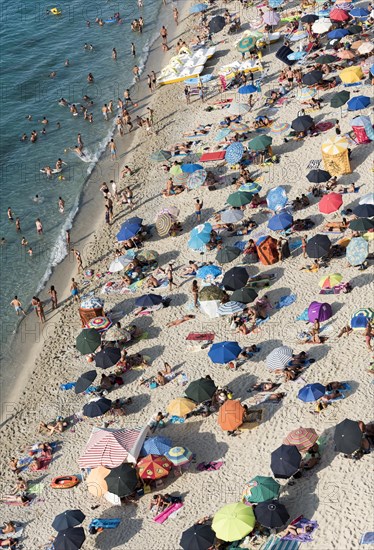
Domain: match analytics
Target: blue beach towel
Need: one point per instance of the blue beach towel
(105, 523)
(274, 543)
(294, 245)
(303, 315)
(285, 301)
(367, 538)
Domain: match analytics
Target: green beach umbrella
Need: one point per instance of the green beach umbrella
(260, 488)
(175, 170)
(233, 522)
(260, 143)
(227, 254)
(88, 341)
(211, 292)
(246, 44)
(340, 99)
(201, 390)
(239, 198)
(326, 58)
(160, 156)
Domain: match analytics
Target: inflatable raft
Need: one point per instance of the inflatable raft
(186, 65)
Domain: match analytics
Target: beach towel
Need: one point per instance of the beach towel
(324, 126)
(303, 537)
(163, 516)
(285, 301)
(303, 316)
(273, 543)
(99, 523)
(214, 155)
(67, 386)
(294, 245)
(199, 336)
(209, 466)
(367, 538)
(36, 488)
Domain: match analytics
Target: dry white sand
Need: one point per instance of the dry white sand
(339, 492)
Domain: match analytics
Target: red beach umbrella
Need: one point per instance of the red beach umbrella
(154, 467)
(339, 15)
(330, 203)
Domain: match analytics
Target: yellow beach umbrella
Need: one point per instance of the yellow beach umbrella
(329, 281)
(96, 483)
(351, 75)
(180, 406)
(334, 145)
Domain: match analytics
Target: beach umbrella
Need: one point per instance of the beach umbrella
(337, 34)
(280, 222)
(285, 461)
(361, 318)
(279, 128)
(129, 229)
(69, 518)
(260, 143)
(302, 438)
(295, 37)
(276, 198)
(175, 170)
(239, 198)
(275, 3)
(201, 390)
(232, 216)
(247, 89)
(271, 514)
(244, 295)
(326, 59)
(179, 455)
(238, 108)
(250, 187)
(311, 392)
(211, 292)
(359, 13)
(334, 145)
(271, 18)
(318, 246)
(84, 381)
(234, 153)
(198, 537)
(233, 522)
(351, 75)
(302, 123)
(224, 352)
(97, 407)
(156, 445)
(347, 436)
(339, 15)
(216, 24)
(154, 467)
(309, 18)
(246, 44)
(239, 127)
(196, 179)
(100, 323)
(69, 539)
(304, 94)
(230, 308)
(358, 102)
(364, 211)
(310, 79)
(260, 489)
(180, 406)
(354, 29)
(230, 415)
(367, 199)
(330, 203)
(160, 156)
(346, 54)
(148, 300)
(321, 26)
(107, 357)
(279, 358)
(222, 133)
(164, 223)
(122, 480)
(361, 225)
(119, 263)
(235, 278)
(227, 254)
(329, 281)
(318, 176)
(355, 45)
(117, 333)
(190, 168)
(208, 271)
(199, 236)
(197, 8)
(339, 99)
(88, 341)
(357, 251)
(96, 483)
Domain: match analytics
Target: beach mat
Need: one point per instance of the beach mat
(273, 543)
(165, 514)
(367, 538)
(216, 155)
(199, 336)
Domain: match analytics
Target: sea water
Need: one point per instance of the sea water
(34, 44)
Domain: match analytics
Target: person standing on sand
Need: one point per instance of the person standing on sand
(40, 310)
(136, 73)
(176, 15)
(154, 80)
(17, 306)
(198, 209)
(67, 239)
(187, 94)
(112, 149)
(74, 290)
(53, 294)
(195, 293)
(170, 275)
(164, 36)
(303, 245)
(78, 258)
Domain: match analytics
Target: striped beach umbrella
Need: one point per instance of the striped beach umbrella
(154, 467)
(250, 187)
(164, 223)
(232, 216)
(246, 44)
(302, 438)
(100, 323)
(181, 178)
(329, 281)
(179, 455)
(361, 318)
(196, 179)
(239, 127)
(234, 153)
(304, 94)
(280, 128)
(279, 358)
(335, 145)
(230, 308)
(357, 251)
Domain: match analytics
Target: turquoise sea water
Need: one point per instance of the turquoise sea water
(33, 45)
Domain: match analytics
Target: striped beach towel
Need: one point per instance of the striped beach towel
(273, 543)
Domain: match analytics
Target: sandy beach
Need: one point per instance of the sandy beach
(338, 493)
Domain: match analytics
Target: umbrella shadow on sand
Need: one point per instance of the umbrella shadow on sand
(359, 281)
(129, 527)
(138, 403)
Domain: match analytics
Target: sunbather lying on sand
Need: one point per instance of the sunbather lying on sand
(180, 321)
(58, 426)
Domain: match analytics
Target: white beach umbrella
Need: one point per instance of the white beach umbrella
(321, 26)
(232, 216)
(279, 358)
(238, 108)
(230, 308)
(210, 308)
(119, 263)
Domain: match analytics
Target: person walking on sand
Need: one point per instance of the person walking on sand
(170, 276)
(74, 290)
(17, 306)
(369, 334)
(112, 149)
(187, 94)
(164, 36)
(67, 239)
(195, 293)
(136, 73)
(53, 294)
(78, 258)
(154, 80)
(40, 310)
(303, 245)
(39, 226)
(198, 209)
(176, 15)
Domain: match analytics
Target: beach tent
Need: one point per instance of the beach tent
(267, 251)
(283, 53)
(319, 311)
(361, 318)
(363, 129)
(335, 156)
(110, 448)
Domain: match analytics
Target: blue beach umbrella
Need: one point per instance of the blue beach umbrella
(359, 13)
(372, 69)
(221, 134)
(311, 392)
(156, 446)
(234, 153)
(280, 222)
(364, 211)
(199, 236)
(337, 33)
(129, 229)
(148, 300)
(251, 187)
(275, 3)
(196, 179)
(208, 271)
(276, 198)
(197, 8)
(247, 89)
(357, 251)
(223, 352)
(358, 102)
(190, 168)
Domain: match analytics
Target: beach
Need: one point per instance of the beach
(338, 494)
